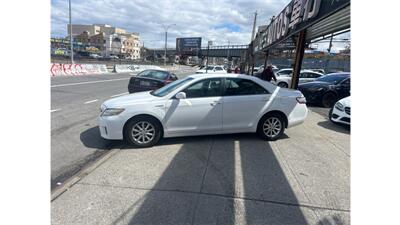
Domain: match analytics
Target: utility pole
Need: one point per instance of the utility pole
(254, 26)
(70, 33)
(208, 49)
(166, 27)
(330, 44)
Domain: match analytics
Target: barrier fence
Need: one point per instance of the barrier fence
(60, 69)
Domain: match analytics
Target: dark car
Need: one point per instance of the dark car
(150, 80)
(327, 89)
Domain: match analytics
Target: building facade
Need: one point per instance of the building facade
(109, 40)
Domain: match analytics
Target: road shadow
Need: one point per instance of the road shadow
(91, 138)
(220, 179)
(341, 128)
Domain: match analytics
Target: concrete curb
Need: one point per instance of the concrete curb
(81, 174)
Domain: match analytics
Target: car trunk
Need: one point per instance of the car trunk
(137, 84)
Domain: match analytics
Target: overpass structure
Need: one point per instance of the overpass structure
(224, 51)
(296, 26)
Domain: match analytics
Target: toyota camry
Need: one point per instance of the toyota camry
(203, 104)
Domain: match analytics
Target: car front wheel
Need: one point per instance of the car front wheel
(271, 127)
(143, 132)
(328, 99)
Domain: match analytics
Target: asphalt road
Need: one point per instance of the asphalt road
(75, 103)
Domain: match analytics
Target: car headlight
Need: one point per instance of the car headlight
(339, 106)
(112, 112)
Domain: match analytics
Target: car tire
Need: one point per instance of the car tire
(264, 129)
(283, 85)
(143, 132)
(328, 99)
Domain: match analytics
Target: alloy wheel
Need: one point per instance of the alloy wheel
(272, 127)
(143, 132)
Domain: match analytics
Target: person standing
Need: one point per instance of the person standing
(268, 74)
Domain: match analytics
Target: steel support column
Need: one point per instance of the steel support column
(266, 59)
(300, 45)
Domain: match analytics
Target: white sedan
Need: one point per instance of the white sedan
(203, 104)
(212, 69)
(340, 112)
(304, 77)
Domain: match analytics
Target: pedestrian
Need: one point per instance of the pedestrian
(237, 70)
(268, 74)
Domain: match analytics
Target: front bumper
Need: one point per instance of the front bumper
(312, 96)
(111, 127)
(338, 116)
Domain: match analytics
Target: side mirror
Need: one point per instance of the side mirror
(180, 95)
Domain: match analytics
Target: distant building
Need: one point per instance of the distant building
(109, 40)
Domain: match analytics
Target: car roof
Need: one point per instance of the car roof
(344, 74)
(229, 75)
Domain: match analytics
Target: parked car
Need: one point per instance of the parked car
(318, 70)
(327, 89)
(284, 72)
(203, 104)
(94, 56)
(150, 80)
(304, 77)
(340, 112)
(212, 69)
(259, 69)
(113, 57)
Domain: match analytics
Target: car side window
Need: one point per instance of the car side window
(346, 82)
(204, 88)
(173, 77)
(238, 86)
(314, 75)
(218, 68)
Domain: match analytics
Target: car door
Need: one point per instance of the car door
(243, 100)
(200, 112)
(343, 88)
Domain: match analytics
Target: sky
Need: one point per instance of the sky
(221, 21)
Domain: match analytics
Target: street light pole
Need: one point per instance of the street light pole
(70, 34)
(166, 36)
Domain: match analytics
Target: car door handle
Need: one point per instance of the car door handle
(215, 103)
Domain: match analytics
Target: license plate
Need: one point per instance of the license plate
(145, 83)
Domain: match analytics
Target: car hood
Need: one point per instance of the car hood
(314, 84)
(134, 98)
(346, 101)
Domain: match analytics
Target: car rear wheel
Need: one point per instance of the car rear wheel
(271, 127)
(282, 84)
(143, 132)
(328, 99)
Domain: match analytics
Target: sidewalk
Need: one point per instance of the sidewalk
(303, 178)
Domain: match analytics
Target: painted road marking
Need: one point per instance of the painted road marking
(55, 110)
(91, 101)
(89, 82)
(119, 94)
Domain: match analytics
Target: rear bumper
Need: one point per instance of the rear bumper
(298, 115)
(133, 89)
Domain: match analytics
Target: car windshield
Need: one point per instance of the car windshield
(156, 74)
(170, 87)
(333, 79)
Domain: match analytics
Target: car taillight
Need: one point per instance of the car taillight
(301, 100)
